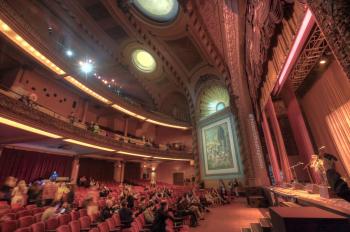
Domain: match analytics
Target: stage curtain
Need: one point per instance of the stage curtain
(327, 109)
(30, 165)
(101, 170)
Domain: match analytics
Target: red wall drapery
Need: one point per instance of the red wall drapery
(30, 165)
(101, 170)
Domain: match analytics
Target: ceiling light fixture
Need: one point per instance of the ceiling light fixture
(28, 128)
(69, 53)
(87, 90)
(86, 66)
(143, 61)
(133, 154)
(19, 41)
(87, 144)
(323, 61)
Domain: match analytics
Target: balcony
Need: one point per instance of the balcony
(34, 115)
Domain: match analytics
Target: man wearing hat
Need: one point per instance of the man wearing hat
(338, 185)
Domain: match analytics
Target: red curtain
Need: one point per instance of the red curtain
(101, 170)
(30, 165)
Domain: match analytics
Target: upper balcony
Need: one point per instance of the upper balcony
(21, 113)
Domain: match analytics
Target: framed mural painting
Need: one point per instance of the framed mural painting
(218, 148)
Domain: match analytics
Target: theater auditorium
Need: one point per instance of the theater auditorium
(174, 116)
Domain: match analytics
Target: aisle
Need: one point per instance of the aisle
(230, 218)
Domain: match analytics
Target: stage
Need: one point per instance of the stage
(304, 198)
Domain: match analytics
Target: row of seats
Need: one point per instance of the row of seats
(50, 224)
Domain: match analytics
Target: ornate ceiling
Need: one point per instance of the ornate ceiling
(180, 43)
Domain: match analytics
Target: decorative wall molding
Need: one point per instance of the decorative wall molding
(333, 17)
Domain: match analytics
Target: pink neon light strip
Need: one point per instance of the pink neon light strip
(299, 41)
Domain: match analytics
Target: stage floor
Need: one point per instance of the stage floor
(230, 217)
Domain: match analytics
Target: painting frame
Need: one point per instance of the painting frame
(224, 116)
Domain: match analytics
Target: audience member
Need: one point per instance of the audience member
(19, 195)
(6, 189)
(49, 192)
(125, 214)
(161, 215)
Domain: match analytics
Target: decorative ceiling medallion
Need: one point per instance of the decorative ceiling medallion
(158, 10)
(143, 61)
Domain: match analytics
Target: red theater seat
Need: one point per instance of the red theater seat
(74, 226)
(75, 215)
(111, 225)
(37, 217)
(83, 212)
(51, 224)
(103, 227)
(64, 219)
(24, 229)
(24, 213)
(63, 228)
(9, 226)
(12, 216)
(38, 227)
(85, 222)
(26, 221)
(94, 230)
(31, 207)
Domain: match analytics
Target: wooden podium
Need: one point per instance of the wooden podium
(308, 219)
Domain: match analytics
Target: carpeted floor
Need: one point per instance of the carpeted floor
(230, 218)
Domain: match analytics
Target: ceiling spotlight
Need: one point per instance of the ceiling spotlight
(69, 53)
(112, 80)
(86, 67)
(323, 61)
(99, 77)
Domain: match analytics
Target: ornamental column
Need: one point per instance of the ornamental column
(75, 170)
(122, 171)
(126, 125)
(271, 150)
(288, 176)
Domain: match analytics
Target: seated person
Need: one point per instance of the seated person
(107, 211)
(50, 212)
(125, 214)
(149, 214)
(338, 185)
(161, 215)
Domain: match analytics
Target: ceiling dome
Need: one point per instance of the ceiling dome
(143, 61)
(213, 99)
(158, 10)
